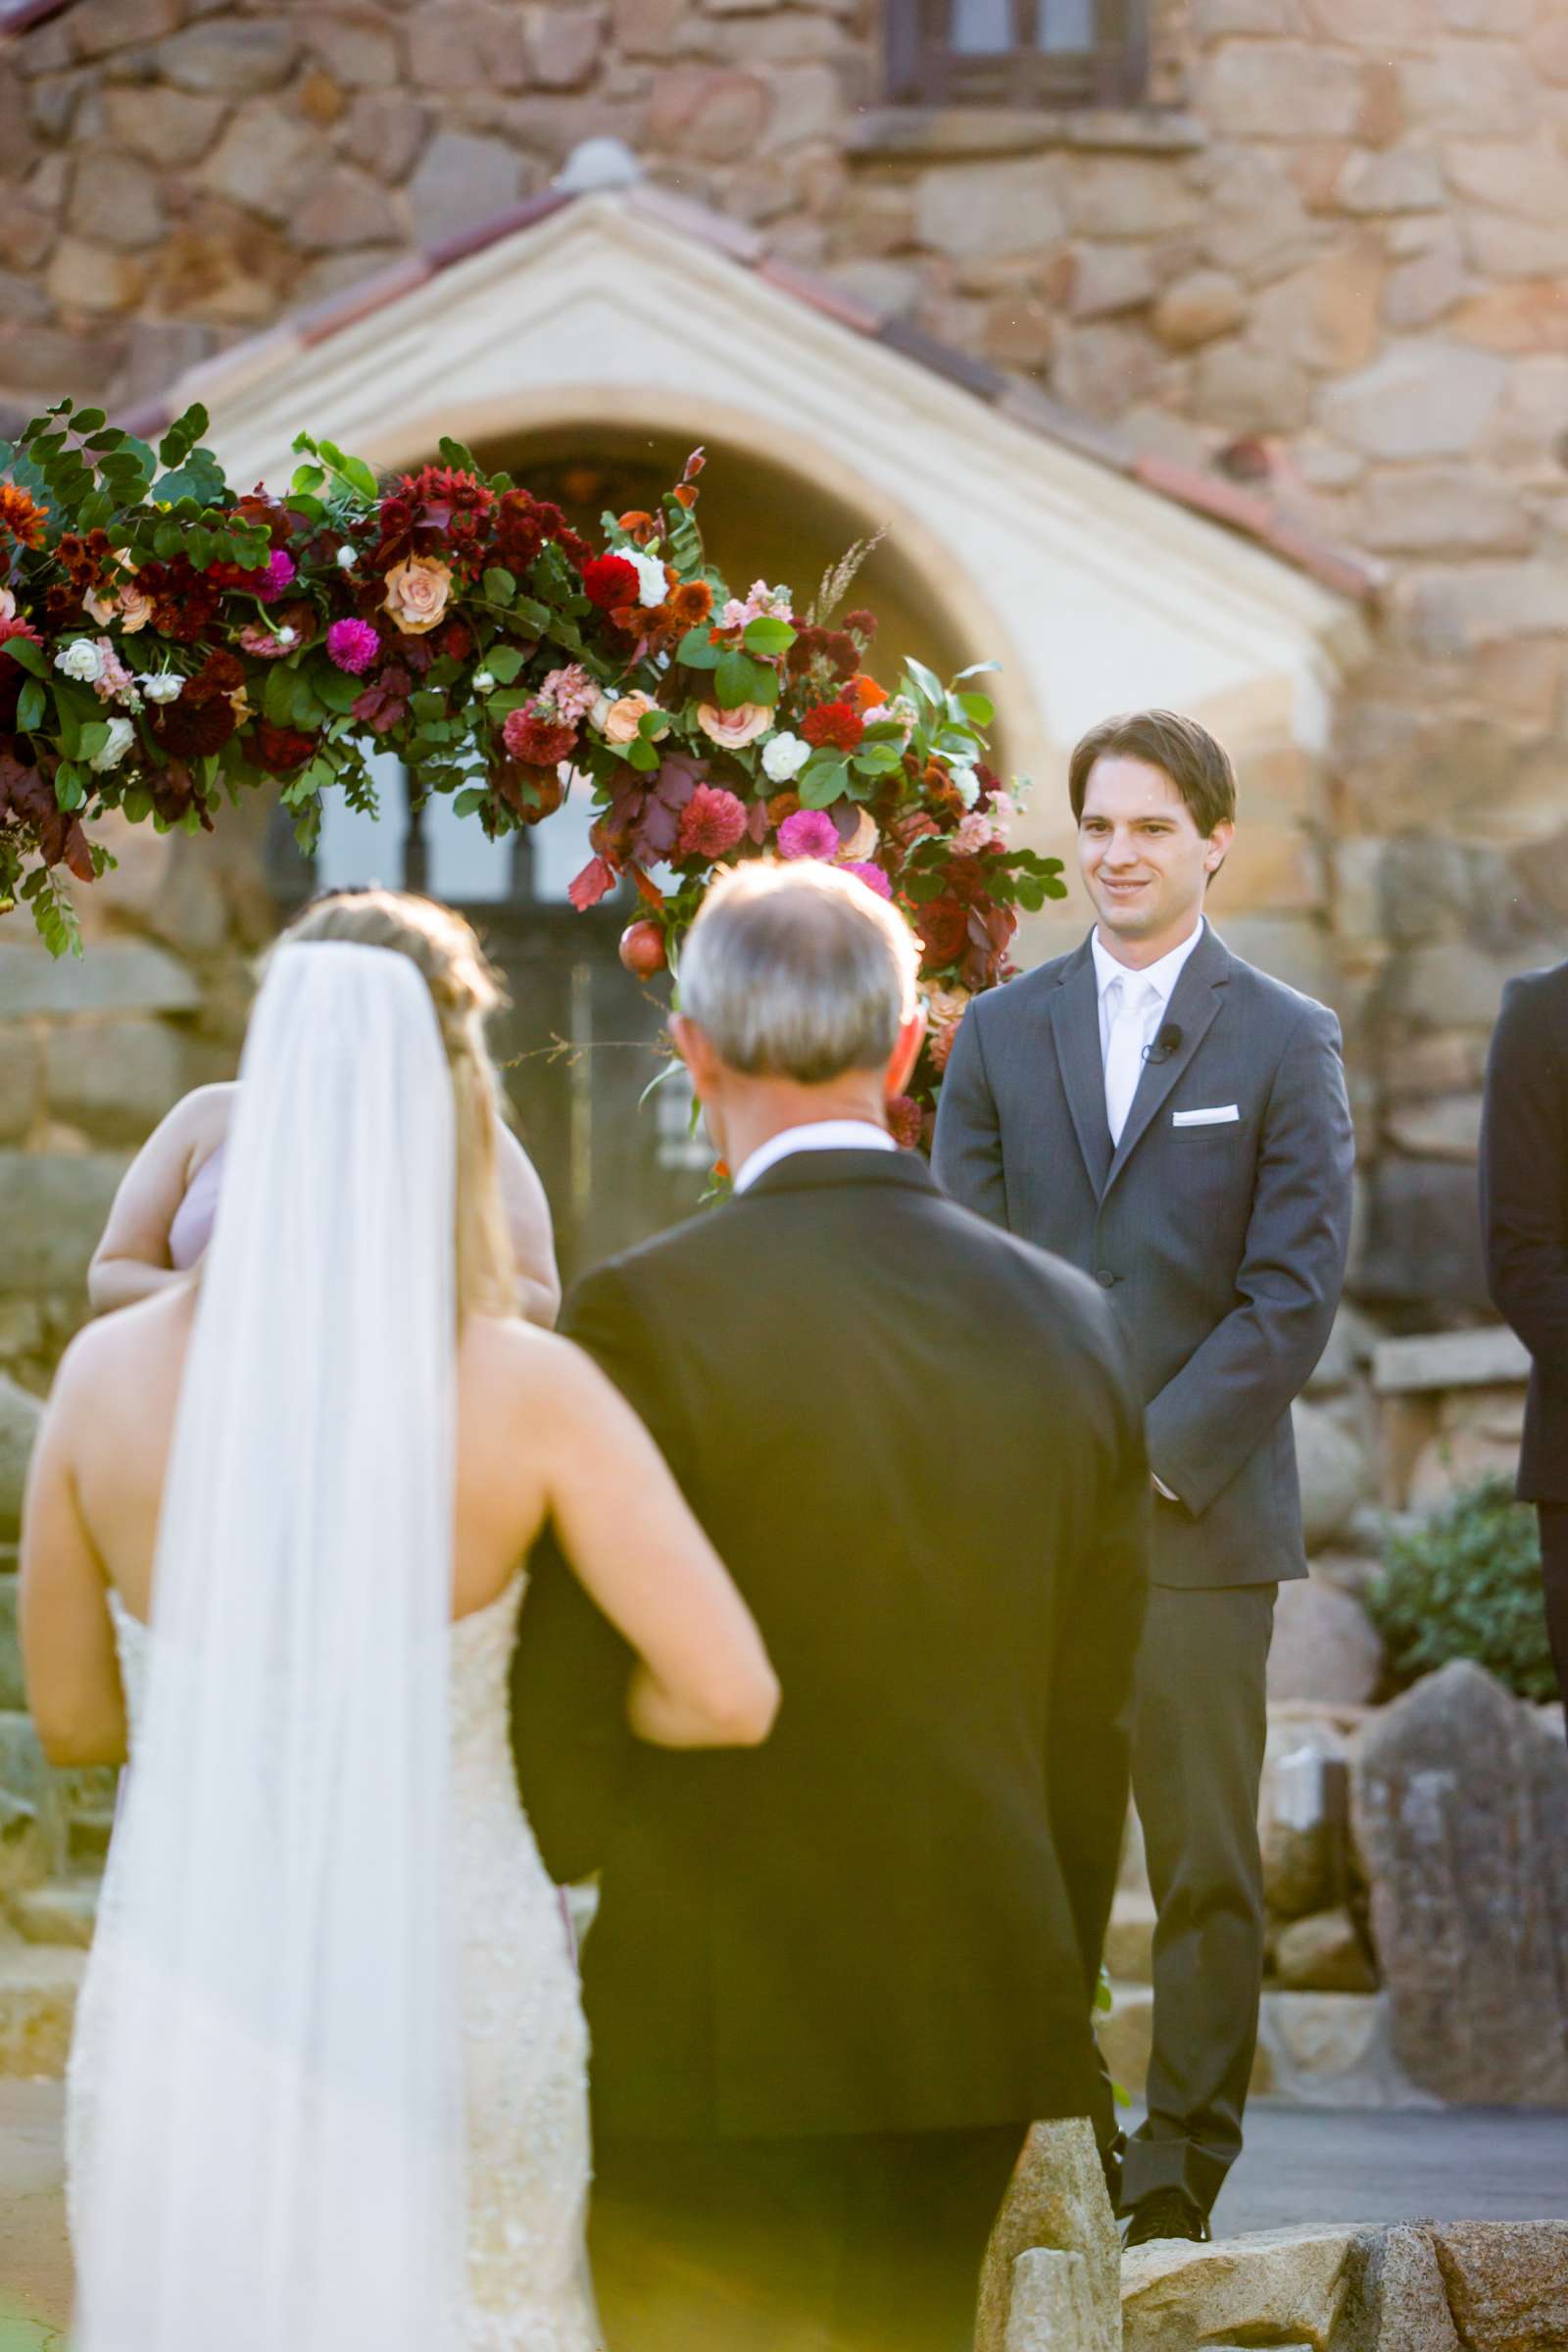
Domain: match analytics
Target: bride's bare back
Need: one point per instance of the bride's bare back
(541, 1433)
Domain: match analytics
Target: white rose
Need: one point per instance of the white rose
(968, 784)
(166, 687)
(652, 588)
(122, 735)
(784, 756)
(82, 659)
(347, 557)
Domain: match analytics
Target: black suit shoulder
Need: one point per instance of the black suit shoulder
(1532, 992)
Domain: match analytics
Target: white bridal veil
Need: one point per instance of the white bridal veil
(277, 2147)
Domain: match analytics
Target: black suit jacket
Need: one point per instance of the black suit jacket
(1524, 1196)
(1218, 1226)
(889, 1916)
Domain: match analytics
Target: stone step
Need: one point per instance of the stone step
(1314, 2049)
(1129, 1938)
(38, 1988)
(61, 1911)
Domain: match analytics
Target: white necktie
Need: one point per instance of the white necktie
(1125, 1049)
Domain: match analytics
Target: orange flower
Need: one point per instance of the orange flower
(639, 526)
(691, 603)
(22, 516)
(866, 692)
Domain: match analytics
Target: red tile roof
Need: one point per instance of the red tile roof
(1250, 512)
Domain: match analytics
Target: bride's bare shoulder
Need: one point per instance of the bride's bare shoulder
(131, 1345)
(512, 1361)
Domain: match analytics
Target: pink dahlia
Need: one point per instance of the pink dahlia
(711, 823)
(808, 833)
(353, 645)
(873, 876)
(270, 584)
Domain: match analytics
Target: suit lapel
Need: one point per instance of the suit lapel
(1076, 1027)
(1193, 1005)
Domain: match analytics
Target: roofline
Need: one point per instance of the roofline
(1252, 515)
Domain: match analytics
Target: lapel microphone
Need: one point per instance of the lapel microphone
(1165, 1044)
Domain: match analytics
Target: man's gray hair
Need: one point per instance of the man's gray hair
(799, 971)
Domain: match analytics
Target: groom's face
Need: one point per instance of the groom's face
(1144, 860)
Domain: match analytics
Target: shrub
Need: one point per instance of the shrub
(1467, 1584)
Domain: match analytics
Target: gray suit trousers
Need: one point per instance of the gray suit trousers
(1199, 1728)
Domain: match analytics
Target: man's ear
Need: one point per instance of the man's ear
(1217, 846)
(905, 1053)
(695, 1050)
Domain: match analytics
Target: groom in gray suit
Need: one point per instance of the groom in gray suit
(1174, 1122)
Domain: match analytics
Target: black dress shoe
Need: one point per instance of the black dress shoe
(1166, 2213)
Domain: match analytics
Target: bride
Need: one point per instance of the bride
(328, 2086)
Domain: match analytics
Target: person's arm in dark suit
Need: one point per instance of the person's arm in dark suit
(1092, 1693)
(1524, 1175)
(1237, 1384)
(966, 1152)
(571, 1670)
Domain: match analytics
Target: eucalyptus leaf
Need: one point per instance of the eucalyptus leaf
(697, 650)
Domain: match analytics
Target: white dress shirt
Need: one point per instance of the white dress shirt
(817, 1135)
(1156, 982)
(1159, 981)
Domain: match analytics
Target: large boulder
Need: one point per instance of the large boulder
(19, 1416)
(1506, 2283)
(1279, 2286)
(1333, 1471)
(1396, 2301)
(1460, 1803)
(1325, 1647)
(1055, 2200)
(1052, 2309)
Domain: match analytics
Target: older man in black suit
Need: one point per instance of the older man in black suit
(1175, 1123)
(833, 1981)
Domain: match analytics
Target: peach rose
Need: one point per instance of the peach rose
(126, 604)
(863, 842)
(729, 729)
(8, 605)
(945, 1008)
(621, 721)
(416, 593)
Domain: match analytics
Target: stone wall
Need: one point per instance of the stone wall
(1328, 260)
(93, 1053)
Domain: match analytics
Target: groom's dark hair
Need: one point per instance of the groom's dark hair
(1198, 766)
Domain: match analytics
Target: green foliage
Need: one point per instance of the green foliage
(1467, 1584)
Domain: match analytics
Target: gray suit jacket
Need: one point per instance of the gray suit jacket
(1221, 1245)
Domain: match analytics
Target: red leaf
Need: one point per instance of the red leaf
(596, 881)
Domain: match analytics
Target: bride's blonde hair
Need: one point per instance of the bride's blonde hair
(465, 990)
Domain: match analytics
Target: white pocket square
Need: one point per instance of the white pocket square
(1221, 1116)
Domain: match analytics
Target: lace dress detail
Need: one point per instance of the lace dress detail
(525, 2042)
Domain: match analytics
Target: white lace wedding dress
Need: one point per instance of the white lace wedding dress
(524, 2040)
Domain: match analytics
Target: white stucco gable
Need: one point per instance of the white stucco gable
(1095, 592)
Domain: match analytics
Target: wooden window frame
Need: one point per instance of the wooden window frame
(923, 70)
